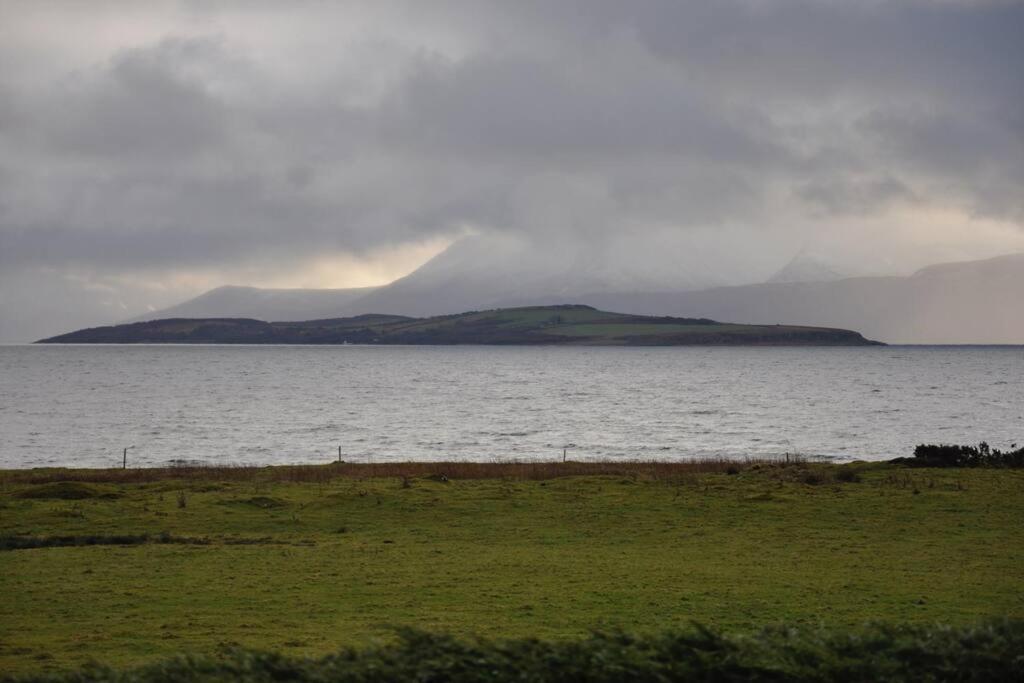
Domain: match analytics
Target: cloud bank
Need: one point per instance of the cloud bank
(150, 150)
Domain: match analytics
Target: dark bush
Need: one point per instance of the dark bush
(847, 475)
(66, 490)
(34, 542)
(945, 455)
(814, 477)
(988, 652)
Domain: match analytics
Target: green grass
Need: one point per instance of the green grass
(515, 318)
(307, 566)
(568, 324)
(620, 330)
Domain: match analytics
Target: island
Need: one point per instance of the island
(534, 325)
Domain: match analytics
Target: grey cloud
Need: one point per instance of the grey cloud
(518, 107)
(811, 48)
(844, 195)
(140, 107)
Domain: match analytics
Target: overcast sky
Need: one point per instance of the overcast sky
(150, 151)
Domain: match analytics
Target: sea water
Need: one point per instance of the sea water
(81, 405)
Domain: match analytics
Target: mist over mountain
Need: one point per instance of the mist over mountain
(807, 268)
(495, 271)
(973, 302)
(263, 304)
(499, 271)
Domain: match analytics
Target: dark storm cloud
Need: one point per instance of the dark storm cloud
(523, 109)
(812, 48)
(191, 147)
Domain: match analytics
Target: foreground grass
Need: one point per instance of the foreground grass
(988, 652)
(128, 567)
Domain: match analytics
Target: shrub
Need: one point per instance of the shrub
(814, 477)
(987, 652)
(847, 475)
(34, 542)
(945, 455)
(65, 490)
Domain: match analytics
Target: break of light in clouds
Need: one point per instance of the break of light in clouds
(152, 150)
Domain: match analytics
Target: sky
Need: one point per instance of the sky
(151, 151)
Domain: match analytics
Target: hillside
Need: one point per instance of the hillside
(973, 302)
(559, 325)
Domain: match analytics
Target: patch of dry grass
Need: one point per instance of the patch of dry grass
(526, 471)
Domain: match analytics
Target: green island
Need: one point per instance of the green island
(129, 568)
(553, 325)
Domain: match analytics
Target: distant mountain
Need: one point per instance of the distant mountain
(263, 304)
(559, 325)
(806, 268)
(497, 271)
(974, 302)
(475, 273)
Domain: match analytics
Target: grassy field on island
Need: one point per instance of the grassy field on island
(125, 567)
(558, 325)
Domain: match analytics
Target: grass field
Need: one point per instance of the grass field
(619, 331)
(305, 560)
(559, 325)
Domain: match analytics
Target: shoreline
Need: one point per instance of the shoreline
(450, 469)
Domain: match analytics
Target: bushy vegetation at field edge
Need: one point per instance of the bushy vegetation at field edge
(991, 651)
(983, 455)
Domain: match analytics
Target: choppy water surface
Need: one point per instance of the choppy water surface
(79, 405)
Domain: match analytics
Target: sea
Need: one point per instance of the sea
(81, 406)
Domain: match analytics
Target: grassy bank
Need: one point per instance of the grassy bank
(127, 566)
(987, 652)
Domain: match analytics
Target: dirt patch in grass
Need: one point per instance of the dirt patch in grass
(262, 502)
(66, 490)
(32, 542)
